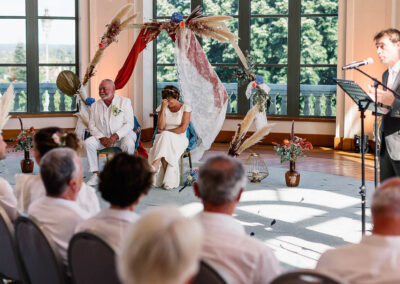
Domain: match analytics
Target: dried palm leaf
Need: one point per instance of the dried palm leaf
(125, 24)
(68, 83)
(248, 119)
(5, 105)
(196, 13)
(212, 19)
(122, 12)
(255, 138)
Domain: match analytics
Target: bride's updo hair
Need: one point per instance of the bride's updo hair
(49, 138)
(170, 91)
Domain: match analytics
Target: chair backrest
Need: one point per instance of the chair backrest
(207, 275)
(307, 276)
(10, 263)
(38, 252)
(190, 134)
(91, 260)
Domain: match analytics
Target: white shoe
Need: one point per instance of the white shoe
(94, 180)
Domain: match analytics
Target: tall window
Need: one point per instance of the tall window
(39, 40)
(293, 45)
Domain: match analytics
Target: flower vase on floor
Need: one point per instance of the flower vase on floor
(292, 176)
(27, 163)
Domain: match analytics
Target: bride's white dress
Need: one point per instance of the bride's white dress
(170, 146)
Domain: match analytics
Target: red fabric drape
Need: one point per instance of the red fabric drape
(127, 69)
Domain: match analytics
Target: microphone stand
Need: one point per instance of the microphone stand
(362, 109)
(376, 84)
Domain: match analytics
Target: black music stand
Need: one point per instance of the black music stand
(364, 103)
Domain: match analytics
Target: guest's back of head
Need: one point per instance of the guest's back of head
(50, 138)
(385, 208)
(221, 178)
(58, 167)
(125, 179)
(162, 247)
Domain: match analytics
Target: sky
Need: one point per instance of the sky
(61, 31)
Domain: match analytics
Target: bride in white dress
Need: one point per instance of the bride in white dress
(171, 141)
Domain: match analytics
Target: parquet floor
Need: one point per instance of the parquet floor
(320, 159)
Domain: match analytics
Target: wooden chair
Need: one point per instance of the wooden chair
(38, 251)
(91, 260)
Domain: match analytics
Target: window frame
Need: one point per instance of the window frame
(32, 64)
(293, 65)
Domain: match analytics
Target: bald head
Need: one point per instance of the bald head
(386, 199)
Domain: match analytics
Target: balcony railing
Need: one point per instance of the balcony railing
(51, 98)
(315, 100)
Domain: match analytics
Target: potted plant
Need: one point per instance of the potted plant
(291, 150)
(24, 142)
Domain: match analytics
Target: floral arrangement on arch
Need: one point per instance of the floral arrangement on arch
(291, 150)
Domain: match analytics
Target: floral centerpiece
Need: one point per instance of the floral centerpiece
(24, 141)
(291, 150)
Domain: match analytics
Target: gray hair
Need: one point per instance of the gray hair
(161, 247)
(108, 81)
(57, 167)
(386, 199)
(220, 179)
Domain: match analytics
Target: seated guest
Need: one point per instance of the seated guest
(161, 247)
(171, 140)
(238, 257)
(62, 175)
(29, 188)
(110, 123)
(376, 259)
(123, 183)
(7, 197)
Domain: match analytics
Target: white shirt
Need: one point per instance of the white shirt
(104, 121)
(8, 200)
(237, 257)
(60, 217)
(376, 259)
(111, 224)
(393, 74)
(29, 188)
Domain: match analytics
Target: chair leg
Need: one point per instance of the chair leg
(190, 162)
(181, 179)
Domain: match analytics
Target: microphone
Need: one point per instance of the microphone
(356, 64)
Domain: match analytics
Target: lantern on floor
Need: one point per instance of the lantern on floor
(256, 168)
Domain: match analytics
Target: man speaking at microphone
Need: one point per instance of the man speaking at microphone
(387, 43)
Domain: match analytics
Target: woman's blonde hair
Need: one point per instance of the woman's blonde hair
(161, 247)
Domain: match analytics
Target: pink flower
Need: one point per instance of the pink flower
(254, 85)
(56, 138)
(101, 45)
(181, 24)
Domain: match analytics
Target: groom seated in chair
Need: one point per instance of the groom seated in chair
(110, 125)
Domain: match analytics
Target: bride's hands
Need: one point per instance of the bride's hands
(164, 104)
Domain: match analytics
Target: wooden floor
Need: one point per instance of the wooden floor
(320, 159)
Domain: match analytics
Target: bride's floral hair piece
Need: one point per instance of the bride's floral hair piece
(59, 138)
(170, 91)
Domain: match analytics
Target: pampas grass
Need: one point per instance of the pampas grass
(255, 138)
(5, 104)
